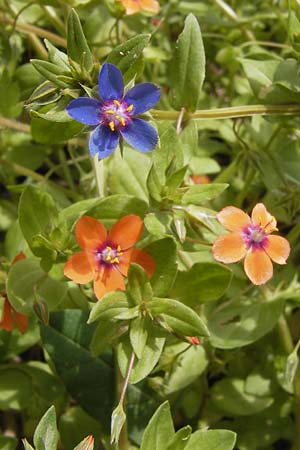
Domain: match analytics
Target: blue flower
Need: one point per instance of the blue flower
(115, 114)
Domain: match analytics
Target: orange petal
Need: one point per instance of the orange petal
(22, 321)
(278, 248)
(109, 279)
(232, 218)
(131, 6)
(18, 257)
(229, 248)
(7, 322)
(90, 233)
(79, 268)
(260, 216)
(150, 5)
(126, 231)
(143, 259)
(258, 266)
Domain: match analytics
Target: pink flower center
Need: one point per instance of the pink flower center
(116, 114)
(255, 237)
(109, 255)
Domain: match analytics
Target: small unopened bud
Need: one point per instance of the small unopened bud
(193, 340)
(118, 419)
(40, 307)
(291, 366)
(86, 444)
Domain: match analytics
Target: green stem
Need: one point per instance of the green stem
(66, 168)
(99, 171)
(14, 124)
(229, 113)
(122, 386)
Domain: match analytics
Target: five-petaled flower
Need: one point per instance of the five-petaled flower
(134, 6)
(115, 113)
(106, 256)
(252, 239)
(10, 317)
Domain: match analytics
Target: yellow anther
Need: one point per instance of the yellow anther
(109, 111)
(117, 103)
(119, 248)
(115, 261)
(108, 248)
(108, 258)
(120, 253)
(122, 121)
(117, 117)
(112, 125)
(130, 108)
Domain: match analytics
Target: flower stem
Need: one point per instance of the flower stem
(122, 385)
(229, 113)
(99, 171)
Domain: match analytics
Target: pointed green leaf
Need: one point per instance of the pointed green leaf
(139, 288)
(78, 49)
(180, 439)
(46, 434)
(202, 193)
(160, 429)
(211, 440)
(188, 66)
(49, 71)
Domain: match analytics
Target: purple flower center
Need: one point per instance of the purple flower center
(109, 255)
(255, 237)
(116, 114)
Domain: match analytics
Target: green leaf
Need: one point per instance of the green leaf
(16, 388)
(202, 193)
(106, 334)
(46, 435)
(27, 282)
(211, 440)
(229, 395)
(10, 105)
(37, 213)
(143, 366)
(163, 252)
(179, 317)
(112, 208)
(127, 56)
(243, 322)
(78, 49)
(160, 429)
(138, 334)
(9, 443)
(56, 114)
(57, 57)
(202, 283)
(294, 30)
(67, 340)
(50, 71)
(49, 132)
(27, 446)
(154, 184)
(111, 306)
(180, 439)
(139, 287)
(175, 180)
(188, 66)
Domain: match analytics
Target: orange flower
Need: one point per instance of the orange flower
(10, 316)
(200, 179)
(251, 238)
(134, 6)
(106, 257)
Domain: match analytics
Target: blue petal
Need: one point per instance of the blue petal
(111, 84)
(85, 110)
(140, 135)
(143, 96)
(103, 141)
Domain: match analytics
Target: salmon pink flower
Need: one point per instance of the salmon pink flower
(106, 256)
(134, 6)
(11, 317)
(252, 239)
(114, 115)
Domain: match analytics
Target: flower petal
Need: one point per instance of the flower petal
(143, 96)
(233, 219)
(278, 248)
(229, 248)
(103, 141)
(85, 110)
(143, 259)
(140, 135)
(260, 216)
(150, 5)
(126, 231)
(110, 279)
(258, 266)
(22, 321)
(111, 84)
(131, 6)
(7, 322)
(79, 268)
(90, 233)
